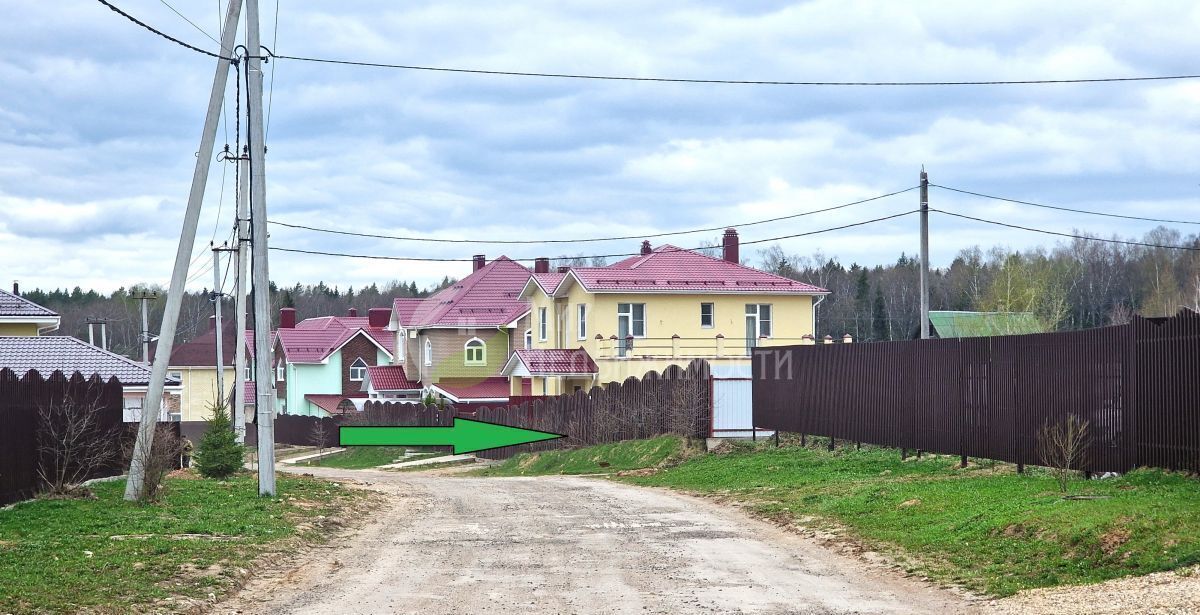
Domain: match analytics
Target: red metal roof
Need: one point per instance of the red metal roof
(471, 389)
(390, 378)
(489, 297)
(330, 403)
(671, 269)
(314, 339)
(549, 281)
(557, 361)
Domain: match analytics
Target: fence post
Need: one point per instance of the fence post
(675, 345)
(720, 345)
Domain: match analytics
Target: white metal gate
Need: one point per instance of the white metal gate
(732, 403)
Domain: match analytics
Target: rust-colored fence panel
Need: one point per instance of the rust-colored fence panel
(20, 401)
(1137, 385)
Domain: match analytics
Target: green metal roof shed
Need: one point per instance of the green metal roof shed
(947, 324)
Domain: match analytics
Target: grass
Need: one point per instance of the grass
(362, 457)
(628, 455)
(984, 527)
(105, 553)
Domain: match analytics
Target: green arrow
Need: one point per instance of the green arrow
(466, 436)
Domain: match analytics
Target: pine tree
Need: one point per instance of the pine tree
(219, 454)
(879, 317)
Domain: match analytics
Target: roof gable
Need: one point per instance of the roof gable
(489, 297)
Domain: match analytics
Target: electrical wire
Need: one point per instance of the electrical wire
(271, 90)
(193, 24)
(624, 255)
(514, 73)
(1070, 235)
(1078, 211)
(588, 239)
(163, 34)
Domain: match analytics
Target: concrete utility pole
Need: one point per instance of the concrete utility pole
(924, 254)
(239, 290)
(220, 330)
(145, 297)
(264, 384)
(135, 486)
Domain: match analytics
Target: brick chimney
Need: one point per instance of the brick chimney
(729, 246)
(352, 312)
(379, 317)
(541, 265)
(479, 261)
(646, 249)
(16, 288)
(287, 318)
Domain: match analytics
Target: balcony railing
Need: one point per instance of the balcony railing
(673, 347)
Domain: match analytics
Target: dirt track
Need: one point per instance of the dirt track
(571, 545)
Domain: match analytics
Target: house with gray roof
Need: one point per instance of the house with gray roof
(20, 316)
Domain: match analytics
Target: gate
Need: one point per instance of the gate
(732, 403)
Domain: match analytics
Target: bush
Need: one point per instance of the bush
(219, 454)
(163, 457)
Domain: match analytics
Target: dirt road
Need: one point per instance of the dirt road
(449, 544)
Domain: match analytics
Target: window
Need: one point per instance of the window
(758, 323)
(279, 371)
(358, 370)
(582, 321)
(247, 373)
(706, 315)
(631, 321)
(175, 376)
(428, 352)
(528, 339)
(542, 325)
(476, 352)
(401, 345)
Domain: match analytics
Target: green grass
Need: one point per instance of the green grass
(628, 455)
(361, 457)
(61, 555)
(984, 527)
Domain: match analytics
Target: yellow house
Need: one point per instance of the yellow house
(20, 317)
(194, 364)
(666, 306)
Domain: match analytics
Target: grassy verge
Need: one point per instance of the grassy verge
(984, 527)
(361, 457)
(628, 455)
(105, 553)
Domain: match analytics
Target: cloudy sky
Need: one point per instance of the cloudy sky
(100, 121)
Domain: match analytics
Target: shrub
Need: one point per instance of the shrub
(219, 454)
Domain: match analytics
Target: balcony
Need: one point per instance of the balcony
(675, 347)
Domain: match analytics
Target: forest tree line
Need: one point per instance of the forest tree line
(1072, 285)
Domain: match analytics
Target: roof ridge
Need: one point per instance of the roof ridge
(108, 352)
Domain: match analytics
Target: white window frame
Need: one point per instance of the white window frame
(528, 339)
(360, 369)
(401, 346)
(581, 320)
(630, 313)
(756, 311)
(280, 370)
(543, 326)
(175, 374)
(481, 347)
(247, 372)
(428, 352)
(712, 315)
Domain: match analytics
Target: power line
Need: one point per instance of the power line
(424, 259)
(588, 239)
(198, 28)
(271, 91)
(161, 33)
(1078, 211)
(1070, 235)
(514, 73)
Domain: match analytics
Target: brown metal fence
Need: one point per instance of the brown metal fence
(1138, 385)
(302, 430)
(20, 400)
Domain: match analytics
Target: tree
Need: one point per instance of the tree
(1063, 447)
(317, 437)
(879, 320)
(73, 443)
(219, 454)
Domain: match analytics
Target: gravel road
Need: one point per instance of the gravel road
(449, 544)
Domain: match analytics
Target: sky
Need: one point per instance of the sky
(100, 122)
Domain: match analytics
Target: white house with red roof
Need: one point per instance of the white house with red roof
(321, 363)
(454, 343)
(664, 306)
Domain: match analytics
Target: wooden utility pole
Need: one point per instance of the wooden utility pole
(264, 382)
(145, 297)
(135, 486)
(239, 290)
(924, 254)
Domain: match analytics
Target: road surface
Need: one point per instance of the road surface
(451, 544)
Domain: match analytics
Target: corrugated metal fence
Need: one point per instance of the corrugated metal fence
(1138, 385)
(20, 400)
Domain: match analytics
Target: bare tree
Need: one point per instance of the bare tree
(160, 460)
(73, 442)
(1063, 447)
(317, 437)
